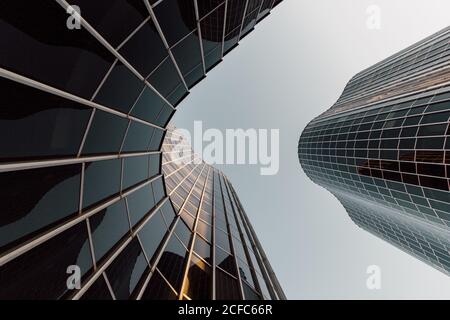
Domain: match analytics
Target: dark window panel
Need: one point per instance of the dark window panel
(225, 261)
(171, 263)
(442, 106)
(115, 19)
(145, 49)
(154, 164)
(430, 143)
(120, 89)
(71, 60)
(245, 273)
(158, 289)
(212, 29)
(126, 272)
(168, 212)
(203, 249)
(98, 291)
(135, 170)
(177, 95)
(227, 288)
(101, 181)
(222, 240)
(156, 140)
(149, 106)
(159, 190)
(152, 234)
(434, 183)
(35, 124)
(105, 134)
(108, 227)
(249, 293)
(36, 198)
(176, 18)
(165, 78)
(41, 273)
(195, 76)
(138, 137)
(433, 130)
(430, 156)
(187, 53)
(206, 6)
(140, 203)
(198, 284)
(183, 233)
(235, 13)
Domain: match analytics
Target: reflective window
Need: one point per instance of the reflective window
(127, 270)
(120, 89)
(138, 137)
(145, 49)
(36, 198)
(249, 293)
(51, 53)
(35, 124)
(135, 169)
(172, 262)
(113, 19)
(158, 289)
(101, 180)
(158, 189)
(149, 106)
(222, 240)
(108, 227)
(45, 266)
(176, 18)
(203, 249)
(105, 134)
(152, 234)
(183, 232)
(227, 288)
(198, 284)
(140, 203)
(225, 261)
(98, 291)
(165, 77)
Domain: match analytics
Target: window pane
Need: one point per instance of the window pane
(35, 198)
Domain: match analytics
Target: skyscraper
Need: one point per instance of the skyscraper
(383, 149)
(212, 233)
(88, 88)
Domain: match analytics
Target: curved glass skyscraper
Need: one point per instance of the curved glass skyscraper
(383, 149)
(88, 88)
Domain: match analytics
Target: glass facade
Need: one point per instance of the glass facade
(383, 150)
(211, 233)
(83, 117)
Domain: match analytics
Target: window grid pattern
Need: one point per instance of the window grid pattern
(84, 117)
(219, 244)
(388, 162)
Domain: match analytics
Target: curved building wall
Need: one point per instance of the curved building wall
(383, 149)
(84, 113)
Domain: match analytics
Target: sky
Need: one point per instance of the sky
(291, 68)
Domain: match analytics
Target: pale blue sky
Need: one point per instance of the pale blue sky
(289, 70)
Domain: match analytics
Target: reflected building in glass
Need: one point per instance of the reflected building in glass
(383, 149)
(83, 116)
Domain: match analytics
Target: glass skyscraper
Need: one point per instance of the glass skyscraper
(212, 234)
(383, 149)
(86, 99)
